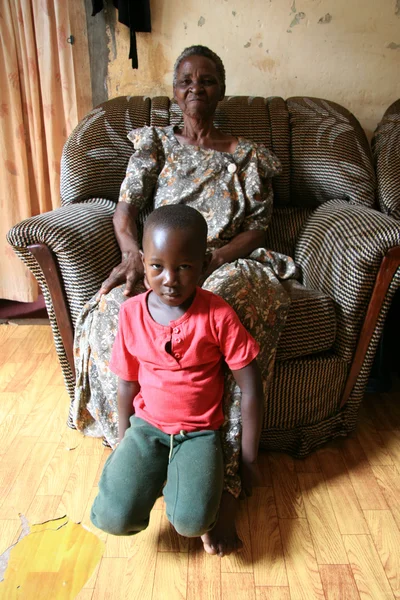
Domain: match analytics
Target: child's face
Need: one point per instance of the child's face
(173, 264)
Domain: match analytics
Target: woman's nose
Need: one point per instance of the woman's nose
(196, 87)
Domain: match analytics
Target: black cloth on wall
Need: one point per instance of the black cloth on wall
(135, 14)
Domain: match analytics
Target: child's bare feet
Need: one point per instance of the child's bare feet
(223, 538)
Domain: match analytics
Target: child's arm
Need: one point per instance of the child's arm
(127, 390)
(250, 382)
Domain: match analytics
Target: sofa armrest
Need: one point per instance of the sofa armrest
(341, 250)
(81, 237)
(44, 267)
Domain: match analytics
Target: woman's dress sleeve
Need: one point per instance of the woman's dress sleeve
(257, 188)
(144, 167)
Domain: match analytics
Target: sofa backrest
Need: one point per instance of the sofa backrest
(386, 151)
(330, 155)
(96, 154)
(323, 149)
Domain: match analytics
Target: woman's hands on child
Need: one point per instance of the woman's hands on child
(251, 477)
(130, 270)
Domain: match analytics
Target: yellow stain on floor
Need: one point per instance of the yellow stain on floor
(53, 562)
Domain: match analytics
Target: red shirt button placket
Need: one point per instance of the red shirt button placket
(177, 341)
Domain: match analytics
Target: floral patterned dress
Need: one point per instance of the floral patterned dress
(234, 194)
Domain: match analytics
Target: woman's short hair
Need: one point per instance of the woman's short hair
(207, 53)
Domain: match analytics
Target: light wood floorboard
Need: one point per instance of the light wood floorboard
(323, 528)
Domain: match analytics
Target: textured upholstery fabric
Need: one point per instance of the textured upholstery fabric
(297, 396)
(281, 142)
(242, 116)
(318, 382)
(159, 113)
(330, 155)
(82, 238)
(310, 325)
(322, 217)
(97, 152)
(386, 152)
(340, 251)
(285, 227)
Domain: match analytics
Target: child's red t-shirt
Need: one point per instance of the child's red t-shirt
(182, 390)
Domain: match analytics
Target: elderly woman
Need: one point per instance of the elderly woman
(228, 180)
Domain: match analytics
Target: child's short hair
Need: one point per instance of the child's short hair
(178, 216)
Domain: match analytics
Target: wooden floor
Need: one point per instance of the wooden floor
(327, 527)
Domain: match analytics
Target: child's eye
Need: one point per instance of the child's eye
(184, 267)
(155, 266)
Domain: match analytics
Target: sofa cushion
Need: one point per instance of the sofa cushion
(285, 227)
(310, 325)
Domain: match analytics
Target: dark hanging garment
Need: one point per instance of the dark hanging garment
(135, 14)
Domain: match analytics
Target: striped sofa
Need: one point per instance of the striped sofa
(324, 216)
(386, 153)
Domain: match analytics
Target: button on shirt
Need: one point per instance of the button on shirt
(180, 389)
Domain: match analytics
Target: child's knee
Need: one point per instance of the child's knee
(117, 522)
(193, 523)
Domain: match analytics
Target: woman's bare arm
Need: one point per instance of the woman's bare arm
(240, 246)
(130, 268)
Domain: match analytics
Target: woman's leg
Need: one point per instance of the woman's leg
(194, 483)
(131, 481)
(94, 408)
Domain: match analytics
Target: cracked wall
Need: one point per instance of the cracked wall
(348, 52)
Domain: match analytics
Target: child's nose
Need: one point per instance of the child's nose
(170, 277)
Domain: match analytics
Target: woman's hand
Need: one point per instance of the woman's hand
(130, 270)
(217, 260)
(240, 246)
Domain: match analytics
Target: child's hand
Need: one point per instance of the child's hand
(251, 477)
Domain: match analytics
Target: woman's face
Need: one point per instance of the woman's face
(198, 89)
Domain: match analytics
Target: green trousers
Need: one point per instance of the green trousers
(191, 464)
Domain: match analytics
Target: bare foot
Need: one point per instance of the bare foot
(223, 538)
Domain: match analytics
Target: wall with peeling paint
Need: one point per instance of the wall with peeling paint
(347, 51)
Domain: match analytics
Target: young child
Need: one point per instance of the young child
(168, 355)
